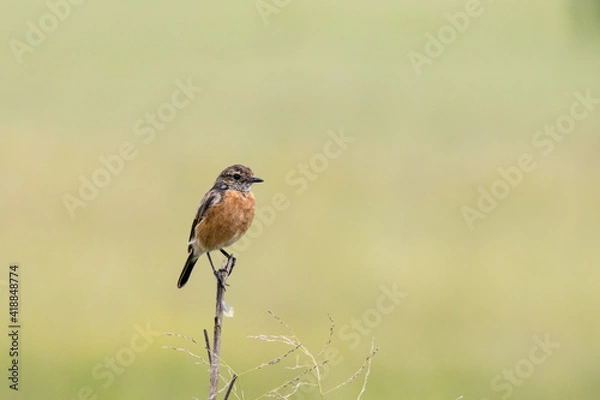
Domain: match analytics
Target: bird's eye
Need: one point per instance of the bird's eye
(237, 177)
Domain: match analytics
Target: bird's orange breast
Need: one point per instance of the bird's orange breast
(227, 221)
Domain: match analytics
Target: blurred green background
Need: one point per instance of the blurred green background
(277, 79)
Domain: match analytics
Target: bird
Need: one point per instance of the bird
(225, 213)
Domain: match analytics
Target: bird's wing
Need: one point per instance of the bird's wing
(211, 197)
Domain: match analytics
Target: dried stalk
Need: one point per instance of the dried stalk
(215, 358)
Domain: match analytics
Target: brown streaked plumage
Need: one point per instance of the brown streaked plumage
(225, 214)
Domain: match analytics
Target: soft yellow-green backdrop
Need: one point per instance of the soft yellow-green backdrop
(382, 212)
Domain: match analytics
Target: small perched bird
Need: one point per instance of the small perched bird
(225, 214)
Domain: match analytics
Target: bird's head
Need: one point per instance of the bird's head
(237, 177)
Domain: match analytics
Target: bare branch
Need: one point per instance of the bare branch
(207, 341)
(230, 387)
(215, 362)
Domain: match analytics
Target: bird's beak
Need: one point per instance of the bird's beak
(256, 179)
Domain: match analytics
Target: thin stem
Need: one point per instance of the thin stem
(230, 386)
(207, 341)
(215, 361)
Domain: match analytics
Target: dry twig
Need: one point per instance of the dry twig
(215, 359)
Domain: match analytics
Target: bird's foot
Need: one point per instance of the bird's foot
(231, 260)
(220, 280)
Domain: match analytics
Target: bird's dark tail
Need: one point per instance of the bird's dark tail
(187, 269)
